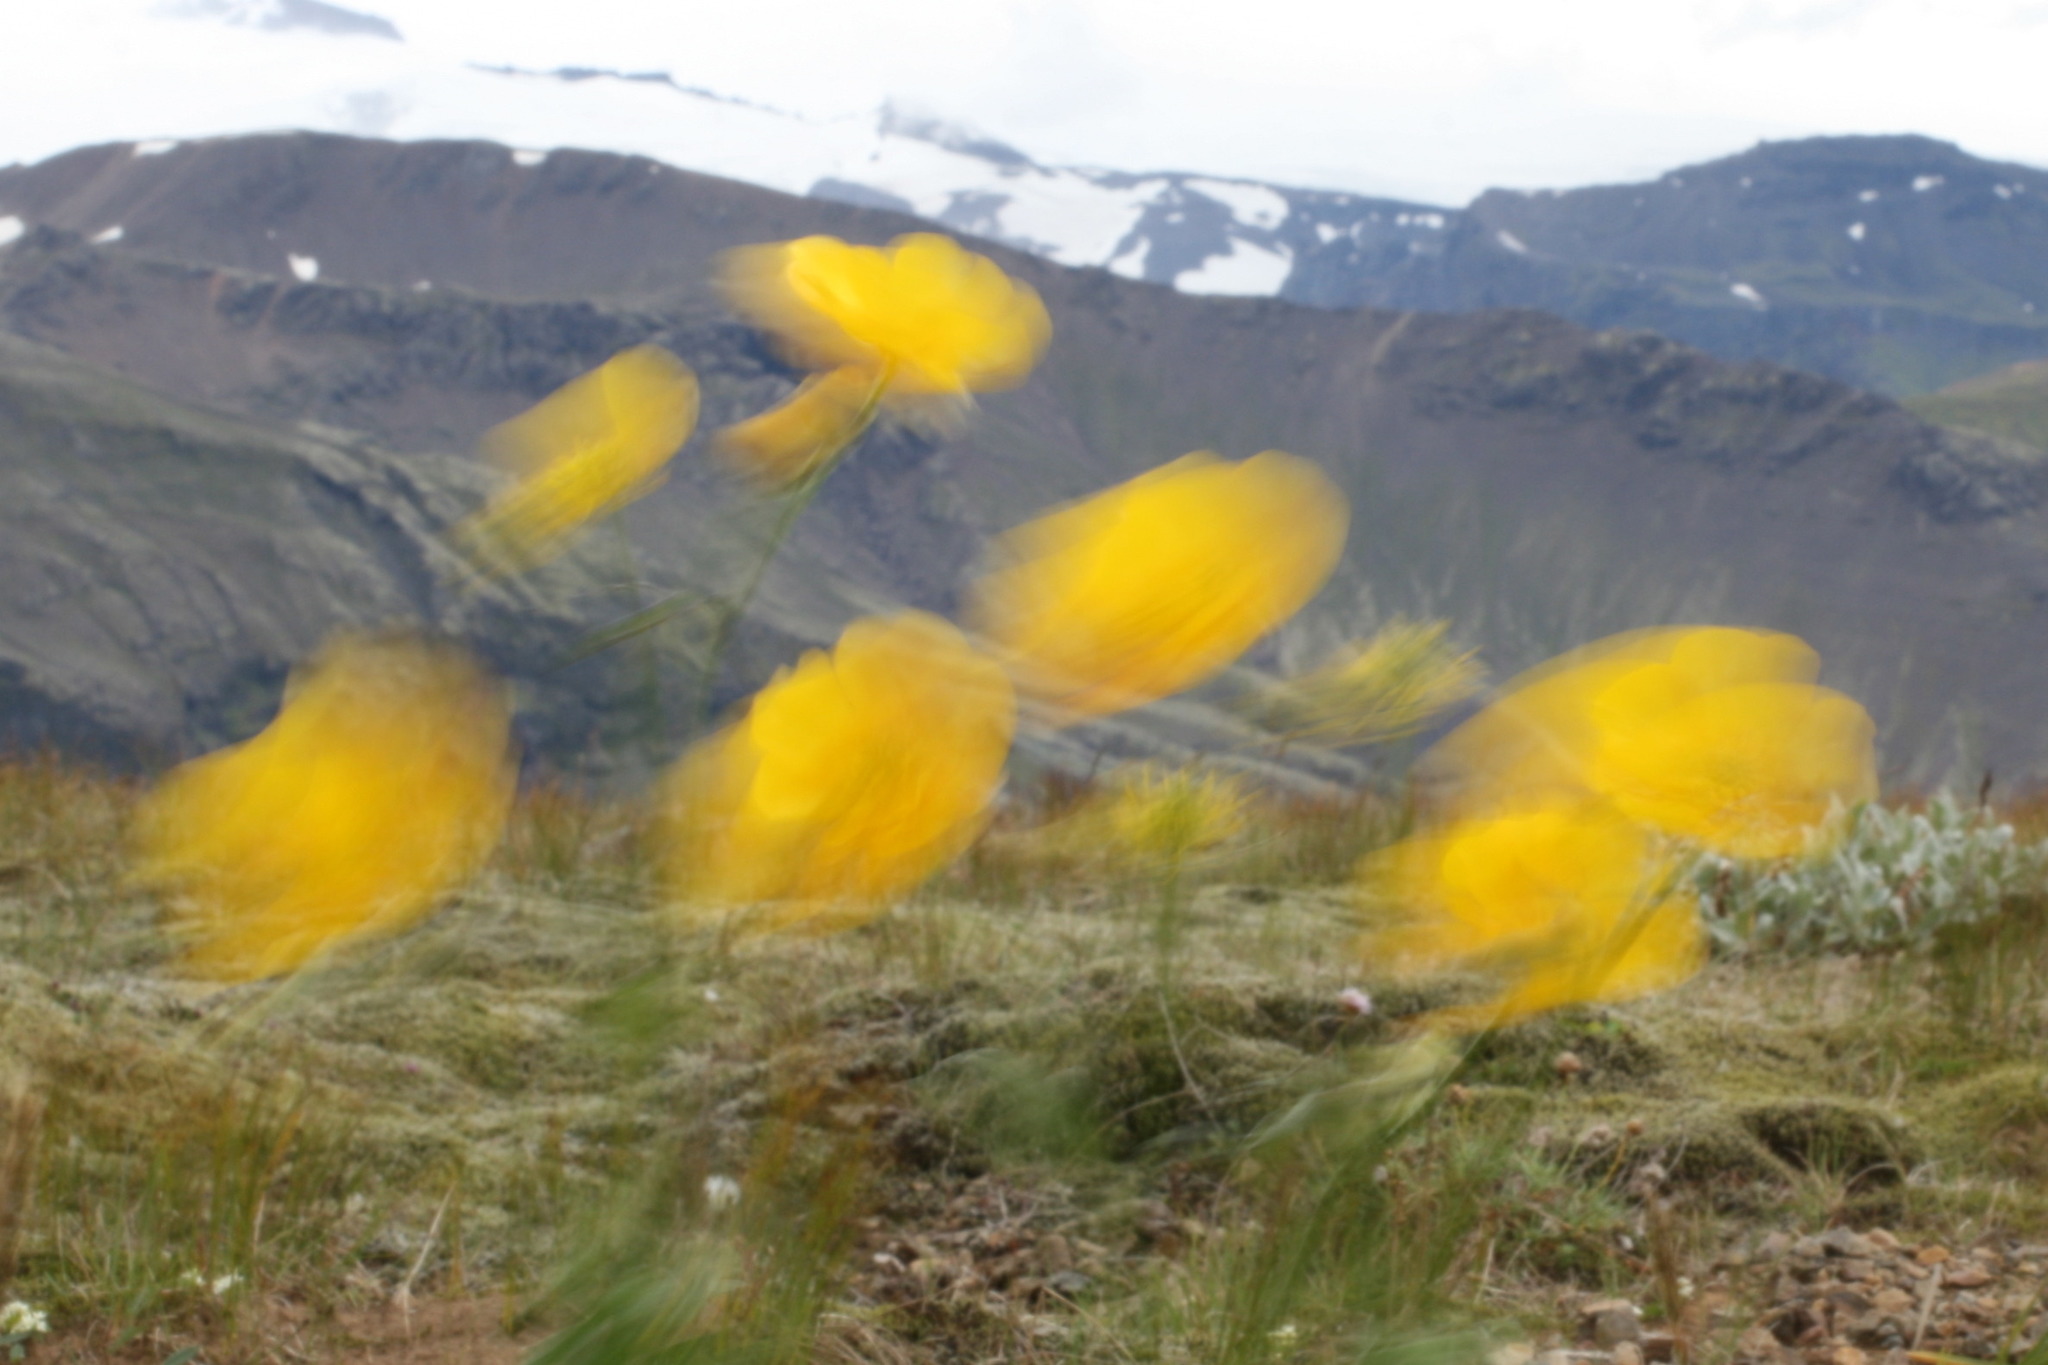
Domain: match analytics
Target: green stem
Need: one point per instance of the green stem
(1166, 929)
(732, 609)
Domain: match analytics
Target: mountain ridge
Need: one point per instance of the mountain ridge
(1535, 483)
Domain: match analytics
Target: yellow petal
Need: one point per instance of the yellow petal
(381, 785)
(936, 318)
(586, 450)
(1152, 586)
(800, 435)
(1563, 902)
(852, 777)
(1715, 734)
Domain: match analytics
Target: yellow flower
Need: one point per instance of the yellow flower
(852, 777)
(1155, 584)
(586, 450)
(382, 784)
(1169, 813)
(1373, 689)
(935, 318)
(1715, 734)
(1562, 901)
(799, 436)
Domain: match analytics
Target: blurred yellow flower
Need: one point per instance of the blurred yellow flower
(1153, 585)
(1170, 812)
(852, 777)
(799, 436)
(1715, 734)
(382, 784)
(1375, 689)
(586, 450)
(933, 317)
(1562, 902)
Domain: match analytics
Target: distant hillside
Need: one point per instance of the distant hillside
(1536, 483)
(1898, 264)
(2009, 402)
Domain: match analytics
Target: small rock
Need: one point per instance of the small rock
(1627, 1353)
(1615, 1326)
(1882, 1239)
(1931, 1255)
(1660, 1346)
(1847, 1355)
(1511, 1353)
(1967, 1277)
(1758, 1347)
(1774, 1246)
(1847, 1243)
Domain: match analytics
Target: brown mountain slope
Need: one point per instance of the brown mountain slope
(1537, 483)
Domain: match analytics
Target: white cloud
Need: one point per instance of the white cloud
(1426, 101)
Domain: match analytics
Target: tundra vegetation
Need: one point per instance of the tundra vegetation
(1630, 1023)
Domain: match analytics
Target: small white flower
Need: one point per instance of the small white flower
(1355, 1001)
(721, 1192)
(1285, 1333)
(17, 1319)
(223, 1283)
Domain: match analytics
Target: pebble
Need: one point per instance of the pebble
(1617, 1326)
(1846, 1242)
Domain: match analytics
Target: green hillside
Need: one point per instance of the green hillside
(2012, 402)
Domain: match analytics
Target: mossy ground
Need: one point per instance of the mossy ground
(1029, 1130)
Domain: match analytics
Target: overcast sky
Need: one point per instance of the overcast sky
(1424, 99)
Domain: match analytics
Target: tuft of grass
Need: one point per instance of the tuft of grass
(526, 1097)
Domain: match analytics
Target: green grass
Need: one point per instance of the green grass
(2012, 402)
(932, 1119)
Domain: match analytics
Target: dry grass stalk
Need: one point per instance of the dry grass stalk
(21, 1126)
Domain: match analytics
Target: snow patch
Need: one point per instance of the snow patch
(11, 227)
(105, 236)
(305, 268)
(156, 146)
(1748, 294)
(528, 156)
(1327, 233)
(1253, 205)
(1924, 183)
(1130, 262)
(2002, 191)
(422, 286)
(1421, 220)
(1856, 232)
(1867, 197)
(1511, 242)
(1244, 269)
